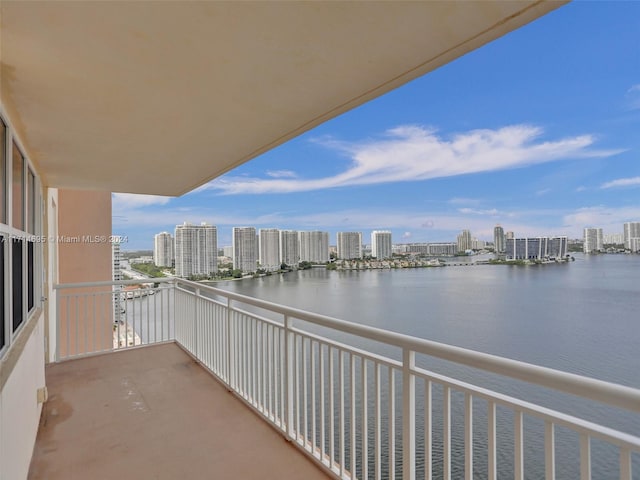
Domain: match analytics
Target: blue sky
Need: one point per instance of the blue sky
(537, 131)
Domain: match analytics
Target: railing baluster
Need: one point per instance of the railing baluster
(305, 403)
(625, 464)
(392, 424)
(378, 422)
(428, 431)
(365, 423)
(549, 451)
(491, 440)
(332, 416)
(341, 439)
(446, 436)
(323, 401)
(288, 352)
(408, 415)
(313, 398)
(518, 437)
(468, 436)
(297, 373)
(585, 457)
(352, 420)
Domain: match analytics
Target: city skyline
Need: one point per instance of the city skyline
(541, 145)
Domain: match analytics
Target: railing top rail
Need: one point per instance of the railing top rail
(108, 283)
(605, 392)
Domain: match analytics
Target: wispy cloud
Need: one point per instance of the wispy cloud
(281, 174)
(130, 200)
(608, 218)
(409, 153)
(465, 201)
(622, 182)
(542, 192)
(633, 97)
(493, 212)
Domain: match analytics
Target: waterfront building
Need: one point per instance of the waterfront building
(381, 245)
(509, 235)
(593, 240)
(227, 251)
(196, 250)
(477, 244)
(399, 248)
(631, 230)
(613, 239)
(289, 247)
(245, 249)
(349, 245)
(536, 248)
(464, 241)
(269, 249)
(163, 250)
(314, 246)
(634, 244)
(498, 239)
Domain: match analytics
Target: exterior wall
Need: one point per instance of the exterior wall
(381, 244)
(245, 249)
(349, 245)
(289, 247)
(82, 215)
(19, 407)
(269, 245)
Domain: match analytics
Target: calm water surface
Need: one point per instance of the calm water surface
(582, 317)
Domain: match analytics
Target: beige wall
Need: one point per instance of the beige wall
(86, 321)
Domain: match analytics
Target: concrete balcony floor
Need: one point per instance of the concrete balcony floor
(154, 413)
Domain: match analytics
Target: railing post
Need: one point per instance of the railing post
(408, 415)
(228, 344)
(196, 311)
(288, 376)
(58, 320)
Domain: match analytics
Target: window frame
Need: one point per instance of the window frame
(30, 236)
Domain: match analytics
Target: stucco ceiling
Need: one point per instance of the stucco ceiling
(160, 97)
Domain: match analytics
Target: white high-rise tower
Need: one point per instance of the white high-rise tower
(269, 244)
(381, 244)
(289, 247)
(245, 249)
(196, 250)
(163, 250)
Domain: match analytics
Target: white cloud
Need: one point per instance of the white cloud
(608, 218)
(281, 174)
(633, 97)
(622, 182)
(581, 188)
(122, 201)
(409, 153)
(542, 192)
(464, 201)
(474, 211)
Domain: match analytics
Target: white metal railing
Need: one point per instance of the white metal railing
(363, 414)
(100, 317)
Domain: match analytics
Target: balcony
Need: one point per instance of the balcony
(353, 401)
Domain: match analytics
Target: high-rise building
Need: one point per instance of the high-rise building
(245, 249)
(163, 250)
(349, 245)
(593, 240)
(289, 247)
(477, 244)
(464, 241)
(196, 250)
(381, 246)
(613, 239)
(631, 230)
(509, 235)
(498, 239)
(314, 246)
(269, 249)
(537, 248)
